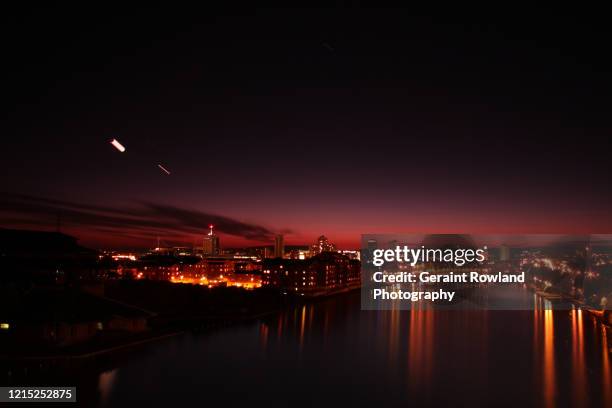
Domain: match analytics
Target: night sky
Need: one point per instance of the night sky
(339, 122)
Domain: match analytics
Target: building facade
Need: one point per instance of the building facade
(324, 272)
(211, 245)
(279, 246)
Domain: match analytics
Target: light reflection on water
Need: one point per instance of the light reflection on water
(578, 359)
(548, 354)
(339, 353)
(606, 381)
(105, 384)
(331, 353)
(420, 354)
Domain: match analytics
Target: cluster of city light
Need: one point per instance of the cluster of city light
(562, 266)
(530, 260)
(213, 268)
(545, 262)
(118, 256)
(545, 283)
(600, 260)
(249, 282)
(124, 257)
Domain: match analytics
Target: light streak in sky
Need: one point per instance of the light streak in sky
(163, 169)
(118, 145)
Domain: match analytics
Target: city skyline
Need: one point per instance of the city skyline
(111, 228)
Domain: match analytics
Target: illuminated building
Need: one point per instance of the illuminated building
(279, 246)
(123, 257)
(158, 267)
(299, 253)
(322, 245)
(168, 251)
(324, 272)
(351, 254)
(183, 251)
(210, 271)
(211, 243)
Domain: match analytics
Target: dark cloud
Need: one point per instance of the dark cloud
(142, 220)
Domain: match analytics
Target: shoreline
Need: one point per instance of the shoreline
(145, 338)
(203, 324)
(192, 325)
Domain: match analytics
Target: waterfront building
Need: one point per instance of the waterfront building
(326, 271)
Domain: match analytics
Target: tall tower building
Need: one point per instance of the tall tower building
(279, 246)
(211, 243)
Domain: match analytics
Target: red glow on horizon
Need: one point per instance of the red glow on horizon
(343, 227)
